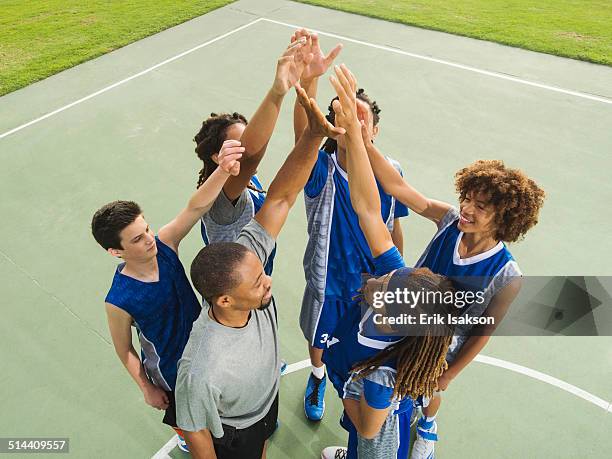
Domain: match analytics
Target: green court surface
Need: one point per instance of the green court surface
(120, 127)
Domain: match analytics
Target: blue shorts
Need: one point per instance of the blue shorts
(332, 312)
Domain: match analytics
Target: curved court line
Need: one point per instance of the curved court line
(125, 80)
(469, 68)
(567, 387)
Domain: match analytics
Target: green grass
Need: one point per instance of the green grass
(43, 37)
(579, 29)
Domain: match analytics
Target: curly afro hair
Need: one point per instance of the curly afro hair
(516, 198)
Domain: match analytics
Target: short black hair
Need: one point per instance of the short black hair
(108, 222)
(213, 270)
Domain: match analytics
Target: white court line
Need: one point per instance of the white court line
(567, 387)
(328, 34)
(469, 68)
(164, 450)
(125, 80)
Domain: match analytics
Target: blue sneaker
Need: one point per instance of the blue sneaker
(314, 404)
(283, 367)
(182, 444)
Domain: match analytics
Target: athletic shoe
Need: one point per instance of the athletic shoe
(182, 444)
(283, 367)
(334, 452)
(314, 405)
(424, 445)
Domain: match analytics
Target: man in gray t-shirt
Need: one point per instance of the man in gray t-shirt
(228, 377)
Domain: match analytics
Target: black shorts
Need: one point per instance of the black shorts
(247, 443)
(170, 416)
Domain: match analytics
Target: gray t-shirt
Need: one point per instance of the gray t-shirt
(230, 375)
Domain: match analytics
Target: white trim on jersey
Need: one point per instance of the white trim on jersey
(343, 173)
(476, 258)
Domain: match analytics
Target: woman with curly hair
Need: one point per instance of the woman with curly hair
(497, 205)
(243, 196)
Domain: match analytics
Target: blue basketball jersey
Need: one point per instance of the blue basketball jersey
(348, 254)
(163, 313)
(488, 272)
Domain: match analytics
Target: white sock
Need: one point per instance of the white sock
(429, 418)
(319, 372)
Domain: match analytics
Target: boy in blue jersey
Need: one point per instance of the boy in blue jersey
(378, 374)
(242, 196)
(496, 205)
(150, 289)
(337, 252)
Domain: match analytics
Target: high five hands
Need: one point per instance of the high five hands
(318, 125)
(320, 62)
(291, 65)
(345, 107)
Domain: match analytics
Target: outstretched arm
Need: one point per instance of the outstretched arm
(394, 184)
(201, 201)
(362, 184)
(294, 173)
(257, 134)
(309, 79)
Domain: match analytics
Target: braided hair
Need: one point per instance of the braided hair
(330, 146)
(209, 141)
(420, 360)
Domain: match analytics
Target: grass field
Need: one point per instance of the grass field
(580, 29)
(41, 38)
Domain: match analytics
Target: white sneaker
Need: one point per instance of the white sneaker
(424, 444)
(334, 452)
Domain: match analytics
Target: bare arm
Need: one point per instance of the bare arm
(317, 67)
(397, 235)
(497, 309)
(367, 420)
(299, 115)
(394, 184)
(120, 326)
(200, 444)
(201, 201)
(293, 174)
(257, 134)
(362, 184)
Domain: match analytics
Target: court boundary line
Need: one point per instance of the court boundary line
(470, 68)
(480, 358)
(558, 89)
(125, 80)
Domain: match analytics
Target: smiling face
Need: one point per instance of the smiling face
(477, 214)
(137, 242)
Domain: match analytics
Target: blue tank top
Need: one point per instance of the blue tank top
(163, 313)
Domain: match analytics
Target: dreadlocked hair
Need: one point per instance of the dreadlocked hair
(330, 145)
(419, 360)
(209, 141)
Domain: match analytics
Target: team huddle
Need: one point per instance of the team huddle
(215, 366)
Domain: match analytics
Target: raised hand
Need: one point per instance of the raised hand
(345, 107)
(291, 65)
(229, 157)
(318, 125)
(320, 62)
